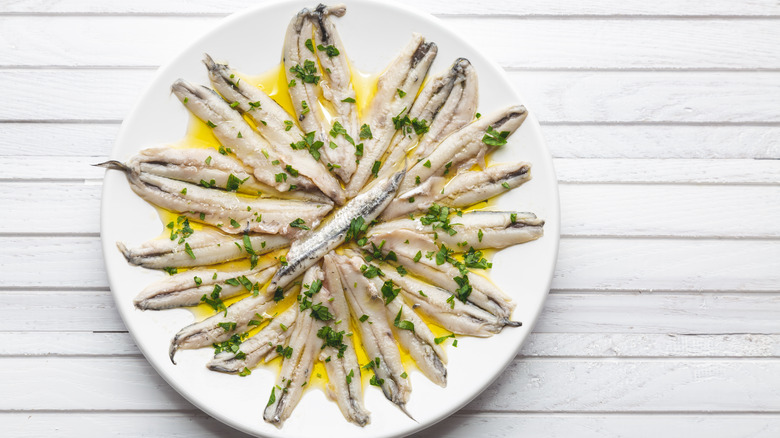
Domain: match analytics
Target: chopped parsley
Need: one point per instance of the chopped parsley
(375, 168)
(348, 100)
(403, 325)
(389, 292)
(331, 50)
(299, 223)
(332, 338)
(371, 271)
(356, 231)
(227, 326)
(288, 124)
(495, 138)
(306, 73)
(309, 45)
(401, 93)
(443, 338)
(365, 132)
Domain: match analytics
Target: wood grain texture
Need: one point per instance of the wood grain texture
(563, 344)
(592, 209)
(190, 424)
(574, 43)
(600, 264)
(637, 140)
(439, 7)
(568, 170)
(555, 97)
(565, 312)
(528, 385)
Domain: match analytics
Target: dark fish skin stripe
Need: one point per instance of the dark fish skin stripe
(508, 117)
(420, 53)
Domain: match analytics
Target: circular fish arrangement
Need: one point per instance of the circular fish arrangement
(358, 227)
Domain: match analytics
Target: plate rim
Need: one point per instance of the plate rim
(551, 216)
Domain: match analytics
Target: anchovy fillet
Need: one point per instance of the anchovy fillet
(484, 293)
(441, 307)
(234, 132)
(204, 333)
(304, 93)
(465, 147)
(377, 336)
(336, 85)
(479, 229)
(419, 341)
(270, 118)
(254, 349)
(447, 103)
(344, 383)
(465, 189)
(208, 246)
(307, 251)
(223, 209)
(296, 369)
(187, 288)
(405, 73)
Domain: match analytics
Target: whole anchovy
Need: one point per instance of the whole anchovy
(209, 331)
(257, 347)
(465, 147)
(418, 341)
(235, 133)
(300, 64)
(275, 125)
(206, 247)
(439, 305)
(227, 211)
(484, 294)
(465, 189)
(195, 165)
(307, 251)
(405, 73)
(188, 288)
(478, 229)
(446, 103)
(344, 382)
(375, 332)
(297, 368)
(336, 85)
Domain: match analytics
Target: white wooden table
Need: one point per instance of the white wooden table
(664, 120)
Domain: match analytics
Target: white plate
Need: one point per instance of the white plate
(373, 33)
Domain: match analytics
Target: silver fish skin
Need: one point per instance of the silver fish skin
(347, 394)
(296, 370)
(439, 305)
(419, 342)
(204, 333)
(463, 190)
(270, 118)
(498, 229)
(484, 293)
(180, 290)
(305, 95)
(218, 207)
(406, 73)
(464, 148)
(336, 85)
(258, 346)
(309, 250)
(377, 337)
(250, 147)
(447, 102)
(209, 246)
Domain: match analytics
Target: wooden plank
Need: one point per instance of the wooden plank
(636, 345)
(573, 43)
(190, 424)
(603, 264)
(22, 140)
(568, 170)
(564, 312)
(439, 7)
(587, 209)
(554, 97)
(666, 171)
(529, 385)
